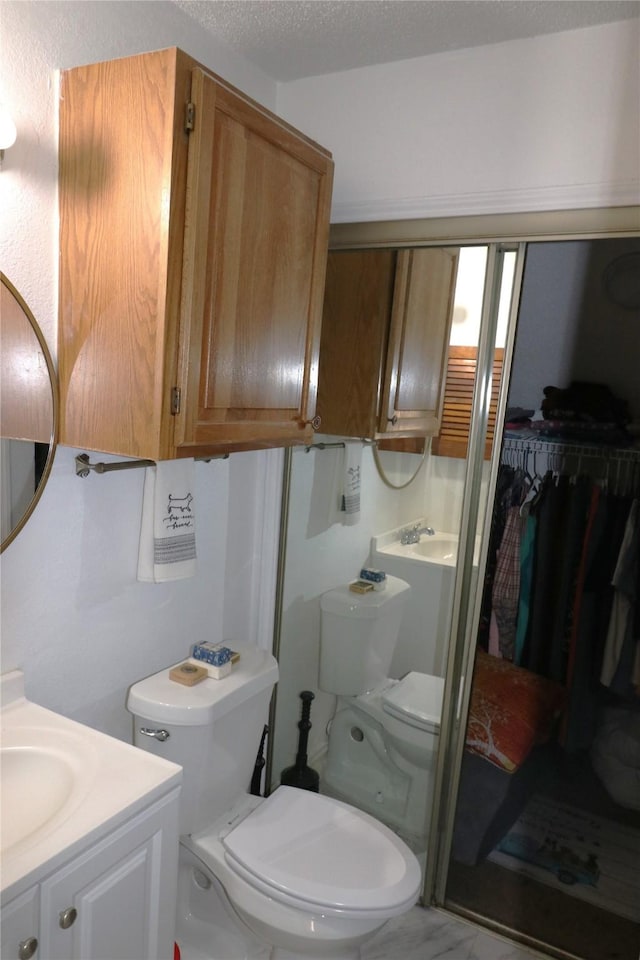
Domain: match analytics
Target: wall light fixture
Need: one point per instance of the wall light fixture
(8, 132)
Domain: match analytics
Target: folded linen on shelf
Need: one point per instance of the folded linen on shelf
(168, 530)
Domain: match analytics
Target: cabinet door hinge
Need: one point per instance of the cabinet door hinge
(176, 396)
(190, 116)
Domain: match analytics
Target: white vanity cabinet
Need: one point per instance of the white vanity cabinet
(113, 901)
(20, 927)
(88, 839)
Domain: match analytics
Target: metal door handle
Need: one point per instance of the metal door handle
(160, 735)
(68, 917)
(27, 948)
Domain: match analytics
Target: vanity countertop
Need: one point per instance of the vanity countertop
(64, 785)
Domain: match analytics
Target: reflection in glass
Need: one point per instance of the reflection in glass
(28, 412)
(386, 767)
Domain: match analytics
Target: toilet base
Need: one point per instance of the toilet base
(277, 954)
(210, 927)
(364, 769)
(207, 927)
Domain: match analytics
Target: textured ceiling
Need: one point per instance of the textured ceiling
(290, 39)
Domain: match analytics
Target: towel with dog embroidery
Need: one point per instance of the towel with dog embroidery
(168, 530)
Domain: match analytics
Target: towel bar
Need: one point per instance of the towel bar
(84, 466)
(340, 443)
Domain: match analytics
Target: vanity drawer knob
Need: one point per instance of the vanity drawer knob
(27, 948)
(68, 917)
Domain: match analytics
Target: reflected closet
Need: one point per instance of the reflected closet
(546, 834)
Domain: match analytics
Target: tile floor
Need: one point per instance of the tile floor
(434, 935)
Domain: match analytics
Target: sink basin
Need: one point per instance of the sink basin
(62, 782)
(439, 548)
(443, 549)
(42, 778)
(35, 786)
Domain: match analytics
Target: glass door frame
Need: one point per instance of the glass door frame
(467, 601)
(501, 232)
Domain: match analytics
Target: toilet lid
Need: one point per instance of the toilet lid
(417, 700)
(323, 852)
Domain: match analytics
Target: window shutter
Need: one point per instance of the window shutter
(452, 441)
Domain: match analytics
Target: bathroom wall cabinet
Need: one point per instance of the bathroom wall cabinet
(193, 241)
(115, 899)
(385, 331)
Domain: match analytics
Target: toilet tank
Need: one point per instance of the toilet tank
(213, 731)
(358, 635)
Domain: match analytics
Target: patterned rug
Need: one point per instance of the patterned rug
(576, 852)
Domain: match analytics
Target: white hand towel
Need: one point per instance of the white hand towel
(351, 489)
(168, 530)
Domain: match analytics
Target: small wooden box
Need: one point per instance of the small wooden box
(188, 673)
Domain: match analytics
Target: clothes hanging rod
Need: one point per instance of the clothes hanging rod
(84, 467)
(567, 448)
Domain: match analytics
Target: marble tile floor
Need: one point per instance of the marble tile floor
(417, 935)
(435, 935)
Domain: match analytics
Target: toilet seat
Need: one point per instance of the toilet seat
(308, 850)
(416, 700)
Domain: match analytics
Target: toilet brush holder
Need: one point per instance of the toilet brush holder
(301, 774)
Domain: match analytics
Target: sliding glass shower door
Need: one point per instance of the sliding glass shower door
(532, 836)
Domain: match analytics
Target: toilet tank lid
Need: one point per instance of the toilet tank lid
(162, 700)
(344, 601)
(416, 699)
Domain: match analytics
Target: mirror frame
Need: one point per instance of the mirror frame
(53, 382)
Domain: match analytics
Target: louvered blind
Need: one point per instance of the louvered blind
(452, 441)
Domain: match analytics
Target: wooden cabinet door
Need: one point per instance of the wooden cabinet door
(418, 339)
(256, 239)
(355, 330)
(123, 155)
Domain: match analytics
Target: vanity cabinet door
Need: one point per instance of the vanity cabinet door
(256, 239)
(117, 901)
(20, 927)
(421, 317)
(385, 331)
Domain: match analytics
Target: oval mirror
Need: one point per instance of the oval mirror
(28, 412)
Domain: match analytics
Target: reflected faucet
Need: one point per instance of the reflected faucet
(413, 534)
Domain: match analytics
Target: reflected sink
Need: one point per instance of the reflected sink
(442, 549)
(36, 785)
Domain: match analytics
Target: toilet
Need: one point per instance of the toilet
(383, 738)
(293, 875)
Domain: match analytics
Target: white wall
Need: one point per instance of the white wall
(543, 124)
(73, 615)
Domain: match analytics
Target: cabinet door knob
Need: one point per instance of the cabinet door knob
(393, 420)
(27, 948)
(68, 917)
(316, 422)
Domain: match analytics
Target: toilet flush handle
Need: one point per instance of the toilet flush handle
(160, 735)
